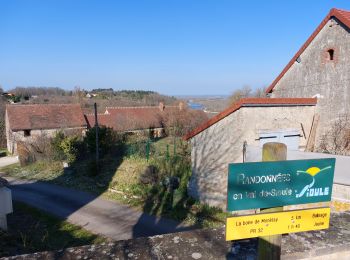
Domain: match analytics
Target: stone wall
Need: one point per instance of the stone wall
(222, 143)
(18, 136)
(210, 244)
(316, 74)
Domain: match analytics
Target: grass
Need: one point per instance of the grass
(3, 152)
(119, 180)
(31, 230)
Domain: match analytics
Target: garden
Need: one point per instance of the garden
(146, 173)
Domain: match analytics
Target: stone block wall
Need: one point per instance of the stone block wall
(222, 143)
(315, 74)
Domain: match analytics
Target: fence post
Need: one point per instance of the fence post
(147, 149)
(269, 247)
(167, 152)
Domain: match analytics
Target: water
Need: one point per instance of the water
(195, 106)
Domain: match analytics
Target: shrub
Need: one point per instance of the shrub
(25, 156)
(336, 139)
(57, 151)
(93, 168)
(70, 147)
(65, 147)
(107, 137)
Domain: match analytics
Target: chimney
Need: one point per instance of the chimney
(161, 106)
(181, 105)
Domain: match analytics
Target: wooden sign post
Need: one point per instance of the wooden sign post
(270, 185)
(269, 247)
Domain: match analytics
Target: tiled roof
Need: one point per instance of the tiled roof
(103, 119)
(137, 118)
(256, 102)
(134, 118)
(342, 15)
(44, 116)
(127, 119)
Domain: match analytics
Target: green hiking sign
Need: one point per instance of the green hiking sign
(281, 183)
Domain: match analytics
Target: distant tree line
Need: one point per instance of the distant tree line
(245, 92)
(39, 91)
(55, 95)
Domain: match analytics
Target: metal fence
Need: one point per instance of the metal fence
(149, 148)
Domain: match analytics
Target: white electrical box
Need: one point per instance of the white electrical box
(5, 201)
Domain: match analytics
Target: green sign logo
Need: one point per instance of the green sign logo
(308, 189)
(271, 184)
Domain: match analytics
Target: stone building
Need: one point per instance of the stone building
(252, 121)
(293, 115)
(148, 118)
(321, 68)
(27, 123)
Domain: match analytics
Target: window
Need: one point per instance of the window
(330, 54)
(26, 133)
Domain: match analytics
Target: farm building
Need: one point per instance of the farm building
(149, 118)
(26, 123)
(252, 121)
(307, 98)
(321, 68)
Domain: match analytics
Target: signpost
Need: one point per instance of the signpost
(270, 185)
(281, 183)
(277, 223)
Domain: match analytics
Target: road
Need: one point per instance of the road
(8, 160)
(95, 214)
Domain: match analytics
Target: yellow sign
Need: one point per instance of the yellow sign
(277, 223)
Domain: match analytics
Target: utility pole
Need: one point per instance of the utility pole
(96, 130)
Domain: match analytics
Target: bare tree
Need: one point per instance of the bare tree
(337, 139)
(245, 92)
(260, 92)
(79, 94)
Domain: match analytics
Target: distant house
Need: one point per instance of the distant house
(26, 123)
(154, 118)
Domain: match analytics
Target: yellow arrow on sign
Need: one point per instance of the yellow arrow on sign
(277, 223)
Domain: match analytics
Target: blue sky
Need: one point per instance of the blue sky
(175, 47)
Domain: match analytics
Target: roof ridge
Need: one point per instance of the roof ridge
(99, 114)
(334, 12)
(132, 107)
(60, 104)
(244, 101)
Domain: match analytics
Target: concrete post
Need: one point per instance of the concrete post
(5, 204)
(3, 222)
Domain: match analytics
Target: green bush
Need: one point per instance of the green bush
(57, 151)
(65, 147)
(93, 168)
(70, 147)
(107, 137)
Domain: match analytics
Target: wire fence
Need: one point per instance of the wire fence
(153, 148)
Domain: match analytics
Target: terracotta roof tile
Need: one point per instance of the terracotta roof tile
(342, 15)
(44, 116)
(103, 119)
(136, 118)
(252, 102)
